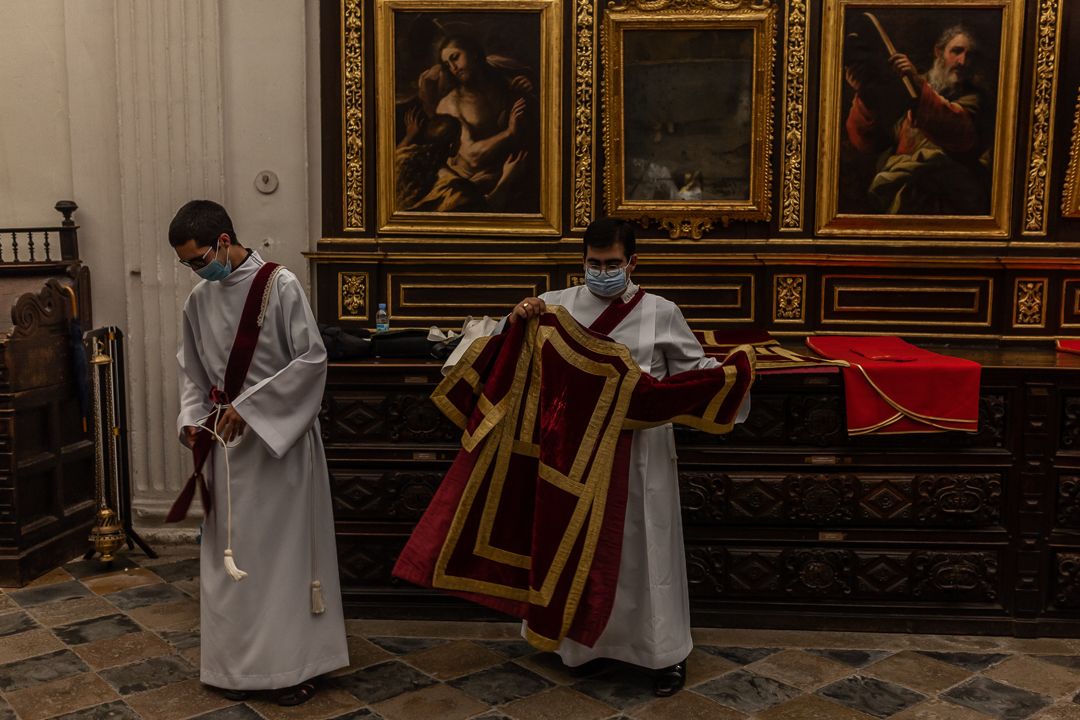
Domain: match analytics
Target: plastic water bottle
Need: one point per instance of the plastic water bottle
(382, 320)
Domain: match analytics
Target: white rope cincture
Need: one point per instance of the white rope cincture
(230, 564)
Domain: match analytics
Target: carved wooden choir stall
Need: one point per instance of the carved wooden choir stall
(773, 162)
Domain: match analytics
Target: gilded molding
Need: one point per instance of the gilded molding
(352, 295)
(795, 76)
(1041, 138)
(1029, 308)
(1070, 198)
(689, 219)
(584, 108)
(352, 112)
(789, 298)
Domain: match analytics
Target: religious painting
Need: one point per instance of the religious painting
(1070, 201)
(467, 116)
(688, 103)
(918, 117)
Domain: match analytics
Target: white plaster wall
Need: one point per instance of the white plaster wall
(132, 107)
(35, 150)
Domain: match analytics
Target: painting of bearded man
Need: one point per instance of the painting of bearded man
(918, 131)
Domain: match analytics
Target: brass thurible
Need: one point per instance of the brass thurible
(107, 536)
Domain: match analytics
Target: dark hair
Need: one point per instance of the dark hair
(440, 129)
(201, 220)
(606, 231)
(946, 37)
(469, 44)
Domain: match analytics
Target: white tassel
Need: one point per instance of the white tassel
(230, 567)
(317, 605)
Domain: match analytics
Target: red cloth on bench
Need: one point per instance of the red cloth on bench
(894, 387)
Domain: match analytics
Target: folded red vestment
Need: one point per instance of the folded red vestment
(894, 387)
(529, 518)
(772, 358)
(1069, 346)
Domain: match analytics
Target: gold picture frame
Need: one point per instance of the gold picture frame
(440, 170)
(675, 160)
(896, 182)
(1070, 198)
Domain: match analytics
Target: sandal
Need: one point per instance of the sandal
(297, 694)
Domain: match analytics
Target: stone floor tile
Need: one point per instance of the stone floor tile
(739, 655)
(685, 705)
(382, 682)
(123, 580)
(406, 645)
(1063, 711)
(701, 667)
(180, 639)
(550, 666)
(1032, 674)
(934, 709)
(102, 628)
(115, 710)
(6, 603)
(182, 615)
(968, 660)
(1067, 661)
(624, 687)
(145, 595)
(83, 569)
(178, 700)
(148, 674)
(328, 702)
(509, 648)
(1037, 646)
(28, 644)
(800, 669)
(234, 712)
(996, 699)
(40, 669)
(501, 684)
(60, 696)
(63, 612)
(57, 575)
(812, 707)
(361, 714)
(747, 692)
(53, 592)
(122, 650)
(362, 653)
(454, 659)
(189, 587)
(191, 655)
(854, 658)
(184, 569)
(437, 701)
(6, 713)
(918, 672)
(13, 623)
(871, 696)
(560, 703)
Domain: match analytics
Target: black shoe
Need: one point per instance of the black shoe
(670, 680)
(591, 668)
(234, 695)
(297, 694)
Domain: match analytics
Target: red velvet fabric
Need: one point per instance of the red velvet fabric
(771, 358)
(1068, 346)
(894, 387)
(529, 518)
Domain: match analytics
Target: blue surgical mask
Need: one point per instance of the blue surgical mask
(214, 270)
(605, 283)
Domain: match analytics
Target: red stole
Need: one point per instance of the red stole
(894, 387)
(615, 313)
(243, 348)
(529, 519)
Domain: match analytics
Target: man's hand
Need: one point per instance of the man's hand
(513, 164)
(852, 78)
(521, 85)
(517, 118)
(230, 425)
(190, 433)
(903, 66)
(530, 307)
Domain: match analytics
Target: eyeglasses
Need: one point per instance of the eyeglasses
(201, 261)
(608, 266)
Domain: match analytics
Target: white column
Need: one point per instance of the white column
(168, 62)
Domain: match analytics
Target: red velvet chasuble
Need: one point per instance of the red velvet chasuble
(529, 519)
(894, 387)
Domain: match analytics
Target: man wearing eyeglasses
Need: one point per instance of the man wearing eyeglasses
(649, 625)
(252, 371)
